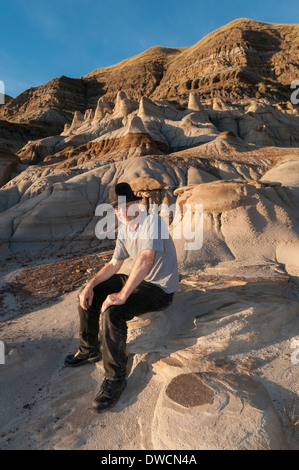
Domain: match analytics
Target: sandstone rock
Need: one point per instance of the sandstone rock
(226, 138)
(244, 51)
(284, 175)
(103, 107)
(164, 129)
(151, 190)
(238, 219)
(198, 176)
(177, 129)
(194, 104)
(255, 424)
(89, 115)
(66, 129)
(217, 360)
(30, 183)
(237, 215)
(137, 76)
(14, 136)
(123, 105)
(144, 183)
(284, 172)
(50, 105)
(35, 151)
(36, 204)
(264, 126)
(8, 163)
(77, 120)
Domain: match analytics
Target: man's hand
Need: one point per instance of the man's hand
(110, 268)
(139, 271)
(113, 299)
(86, 297)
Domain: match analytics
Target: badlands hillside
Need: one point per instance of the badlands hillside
(213, 124)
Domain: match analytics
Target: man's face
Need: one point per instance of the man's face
(127, 212)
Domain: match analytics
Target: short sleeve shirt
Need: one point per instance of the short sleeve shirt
(151, 234)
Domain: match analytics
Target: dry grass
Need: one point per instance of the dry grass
(154, 54)
(290, 417)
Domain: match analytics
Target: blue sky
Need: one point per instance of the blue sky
(44, 39)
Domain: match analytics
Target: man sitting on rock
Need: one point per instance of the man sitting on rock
(117, 298)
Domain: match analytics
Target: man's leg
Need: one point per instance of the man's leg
(145, 298)
(89, 348)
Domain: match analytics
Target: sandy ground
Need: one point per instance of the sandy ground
(228, 326)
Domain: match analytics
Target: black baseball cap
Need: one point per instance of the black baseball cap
(122, 190)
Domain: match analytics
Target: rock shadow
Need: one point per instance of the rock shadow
(197, 314)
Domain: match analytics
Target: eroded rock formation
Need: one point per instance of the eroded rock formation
(208, 126)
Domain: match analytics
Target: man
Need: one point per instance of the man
(117, 298)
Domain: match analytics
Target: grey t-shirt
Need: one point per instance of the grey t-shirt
(151, 234)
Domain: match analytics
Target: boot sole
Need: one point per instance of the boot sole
(86, 361)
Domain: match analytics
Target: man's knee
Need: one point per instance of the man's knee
(113, 316)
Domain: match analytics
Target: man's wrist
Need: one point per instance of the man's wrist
(91, 284)
(124, 294)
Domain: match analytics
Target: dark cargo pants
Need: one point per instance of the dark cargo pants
(112, 338)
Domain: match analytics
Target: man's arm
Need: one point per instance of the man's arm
(139, 271)
(105, 273)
